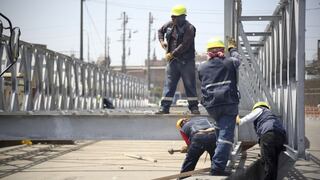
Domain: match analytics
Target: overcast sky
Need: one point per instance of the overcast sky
(56, 23)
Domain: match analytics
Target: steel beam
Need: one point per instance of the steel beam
(258, 33)
(260, 18)
(89, 125)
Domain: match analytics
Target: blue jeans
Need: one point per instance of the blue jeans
(186, 70)
(199, 144)
(225, 121)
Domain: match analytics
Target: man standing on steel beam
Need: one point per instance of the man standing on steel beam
(180, 55)
(220, 97)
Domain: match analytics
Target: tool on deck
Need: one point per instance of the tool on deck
(141, 157)
(171, 151)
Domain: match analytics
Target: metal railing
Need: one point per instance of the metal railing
(46, 80)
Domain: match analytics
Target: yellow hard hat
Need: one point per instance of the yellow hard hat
(178, 10)
(261, 103)
(215, 43)
(179, 123)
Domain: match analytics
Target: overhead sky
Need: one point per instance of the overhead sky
(56, 23)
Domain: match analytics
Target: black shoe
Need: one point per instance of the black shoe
(161, 111)
(195, 111)
(220, 173)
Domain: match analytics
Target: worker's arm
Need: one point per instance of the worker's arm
(162, 31)
(234, 54)
(251, 116)
(187, 41)
(235, 57)
(185, 137)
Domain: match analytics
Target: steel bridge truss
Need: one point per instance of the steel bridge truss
(46, 80)
(273, 63)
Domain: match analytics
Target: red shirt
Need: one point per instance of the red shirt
(185, 137)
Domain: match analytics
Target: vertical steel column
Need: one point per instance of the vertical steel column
(229, 7)
(2, 67)
(14, 87)
(27, 56)
(300, 71)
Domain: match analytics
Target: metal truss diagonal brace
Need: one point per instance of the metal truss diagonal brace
(255, 66)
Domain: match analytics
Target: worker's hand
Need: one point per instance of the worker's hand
(231, 43)
(164, 45)
(238, 119)
(169, 57)
(184, 149)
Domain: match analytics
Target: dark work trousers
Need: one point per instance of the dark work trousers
(271, 144)
(225, 122)
(177, 69)
(200, 142)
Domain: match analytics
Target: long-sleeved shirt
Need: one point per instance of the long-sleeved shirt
(264, 121)
(180, 39)
(251, 116)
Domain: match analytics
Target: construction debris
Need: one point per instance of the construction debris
(141, 157)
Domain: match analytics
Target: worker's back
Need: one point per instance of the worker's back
(267, 121)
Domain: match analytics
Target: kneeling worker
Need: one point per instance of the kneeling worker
(271, 136)
(199, 135)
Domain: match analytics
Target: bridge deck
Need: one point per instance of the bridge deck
(108, 160)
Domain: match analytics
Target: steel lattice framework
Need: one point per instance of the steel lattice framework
(273, 66)
(46, 80)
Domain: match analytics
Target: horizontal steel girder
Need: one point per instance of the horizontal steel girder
(258, 33)
(260, 18)
(89, 126)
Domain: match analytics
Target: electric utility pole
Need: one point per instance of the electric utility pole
(106, 50)
(125, 21)
(148, 58)
(81, 30)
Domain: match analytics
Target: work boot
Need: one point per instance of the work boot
(195, 111)
(162, 111)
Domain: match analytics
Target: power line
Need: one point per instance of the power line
(151, 8)
(94, 25)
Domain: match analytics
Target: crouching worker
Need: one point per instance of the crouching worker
(271, 136)
(199, 135)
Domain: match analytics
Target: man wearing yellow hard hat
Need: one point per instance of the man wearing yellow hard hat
(220, 97)
(177, 38)
(271, 134)
(198, 133)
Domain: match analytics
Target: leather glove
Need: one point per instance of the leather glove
(184, 149)
(231, 43)
(164, 45)
(238, 120)
(169, 57)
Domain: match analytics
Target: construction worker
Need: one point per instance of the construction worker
(177, 38)
(220, 97)
(271, 134)
(198, 133)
